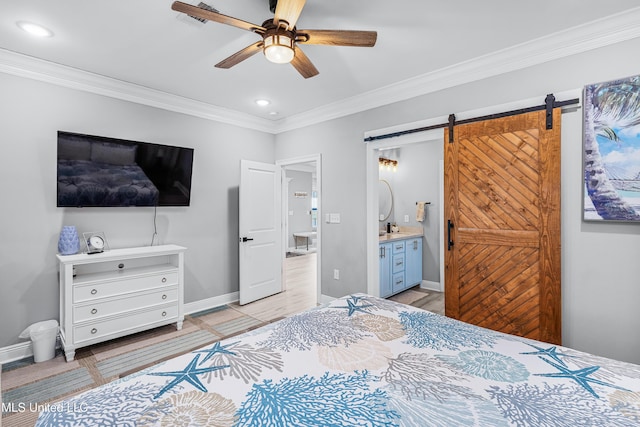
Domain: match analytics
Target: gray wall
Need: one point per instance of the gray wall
(418, 179)
(32, 112)
(600, 271)
(600, 268)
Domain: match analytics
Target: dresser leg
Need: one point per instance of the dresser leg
(179, 324)
(70, 354)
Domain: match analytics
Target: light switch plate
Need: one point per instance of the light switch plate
(334, 218)
(406, 218)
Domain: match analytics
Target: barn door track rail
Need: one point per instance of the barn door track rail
(549, 104)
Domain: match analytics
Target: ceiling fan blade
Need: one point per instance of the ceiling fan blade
(288, 10)
(337, 37)
(240, 55)
(210, 15)
(303, 64)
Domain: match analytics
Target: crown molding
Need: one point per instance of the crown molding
(595, 34)
(592, 35)
(61, 75)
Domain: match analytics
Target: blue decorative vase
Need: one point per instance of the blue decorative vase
(69, 242)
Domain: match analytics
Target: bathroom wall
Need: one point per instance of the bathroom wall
(417, 179)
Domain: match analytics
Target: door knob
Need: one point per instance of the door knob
(245, 239)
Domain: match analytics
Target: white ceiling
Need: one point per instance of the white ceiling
(142, 50)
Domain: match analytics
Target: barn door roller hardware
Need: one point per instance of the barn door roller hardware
(549, 104)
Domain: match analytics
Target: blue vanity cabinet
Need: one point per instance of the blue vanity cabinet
(397, 267)
(400, 265)
(413, 261)
(385, 254)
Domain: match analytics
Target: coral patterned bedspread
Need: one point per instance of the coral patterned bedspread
(366, 361)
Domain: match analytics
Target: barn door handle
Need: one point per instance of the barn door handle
(449, 241)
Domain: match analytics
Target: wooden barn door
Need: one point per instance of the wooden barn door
(502, 220)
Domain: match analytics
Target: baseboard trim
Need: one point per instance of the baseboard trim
(431, 286)
(15, 352)
(209, 303)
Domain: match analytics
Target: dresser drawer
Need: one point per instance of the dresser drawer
(398, 263)
(121, 286)
(98, 309)
(398, 247)
(99, 331)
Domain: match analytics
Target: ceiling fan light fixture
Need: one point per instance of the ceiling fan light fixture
(278, 48)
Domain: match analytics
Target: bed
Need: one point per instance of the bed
(366, 361)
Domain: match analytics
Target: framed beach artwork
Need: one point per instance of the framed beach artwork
(612, 151)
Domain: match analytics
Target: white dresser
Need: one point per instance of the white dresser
(119, 292)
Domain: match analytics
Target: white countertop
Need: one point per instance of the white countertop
(399, 236)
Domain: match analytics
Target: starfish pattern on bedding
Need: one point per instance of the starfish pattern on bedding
(581, 376)
(189, 374)
(216, 349)
(551, 352)
(353, 306)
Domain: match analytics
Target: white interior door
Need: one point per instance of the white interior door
(260, 231)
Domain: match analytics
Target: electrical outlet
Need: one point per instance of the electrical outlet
(406, 218)
(336, 274)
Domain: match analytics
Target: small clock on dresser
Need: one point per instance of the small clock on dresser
(96, 242)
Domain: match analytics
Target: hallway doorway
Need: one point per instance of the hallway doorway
(301, 236)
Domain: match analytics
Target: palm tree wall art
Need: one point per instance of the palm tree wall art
(612, 150)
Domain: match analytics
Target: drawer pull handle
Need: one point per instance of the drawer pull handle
(164, 279)
(94, 311)
(94, 331)
(164, 296)
(94, 291)
(164, 313)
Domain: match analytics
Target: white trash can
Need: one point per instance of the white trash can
(43, 337)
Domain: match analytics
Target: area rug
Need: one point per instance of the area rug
(409, 297)
(135, 360)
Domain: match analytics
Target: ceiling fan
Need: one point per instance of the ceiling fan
(280, 36)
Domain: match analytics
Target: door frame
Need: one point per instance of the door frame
(317, 158)
(372, 148)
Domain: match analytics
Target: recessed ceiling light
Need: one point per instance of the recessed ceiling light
(263, 102)
(273, 113)
(35, 29)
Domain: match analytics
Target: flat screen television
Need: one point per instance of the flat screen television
(96, 171)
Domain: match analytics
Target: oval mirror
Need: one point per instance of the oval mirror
(385, 200)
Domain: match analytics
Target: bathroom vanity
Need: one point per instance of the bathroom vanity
(400, 262)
